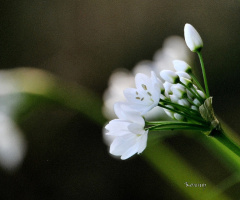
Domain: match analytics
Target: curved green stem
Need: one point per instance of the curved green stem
(220, 136)
(204, 73)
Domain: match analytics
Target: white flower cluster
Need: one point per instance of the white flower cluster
(180, 94)
(173, 48)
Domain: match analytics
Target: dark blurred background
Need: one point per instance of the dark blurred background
(83, 42)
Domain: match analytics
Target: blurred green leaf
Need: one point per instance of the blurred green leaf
(37, 86)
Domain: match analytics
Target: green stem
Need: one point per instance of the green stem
(190, 117)
(221, 137)
(182, 108)
(197, 82)
(193, 92)
(177, 126)
(204, 73)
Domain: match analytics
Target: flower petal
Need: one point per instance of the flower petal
(143, 142)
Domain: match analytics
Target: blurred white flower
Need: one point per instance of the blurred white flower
(129, 135)
(12, 143)
(118, 81)
(174, 48)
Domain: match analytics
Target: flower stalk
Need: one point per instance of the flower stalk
(220, 136)
(203, 72)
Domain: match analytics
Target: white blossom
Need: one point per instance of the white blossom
(178, 90)
(128, 131)
(146, 95)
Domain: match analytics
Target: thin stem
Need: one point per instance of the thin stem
(178, 126)
(182, 108)
(190, 117)
(194, 93)
(197, 83)
(204, 73)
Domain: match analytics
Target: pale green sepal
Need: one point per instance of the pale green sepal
(207, 113)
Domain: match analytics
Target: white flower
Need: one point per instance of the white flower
(118, 81)
(178, 117)
(128, 131)
(201, 94)
(178, 91)
(169, 76)
(174, 47)
(146, 95)
(167, 86)
(183, 102)
(192, 38)
(12, 143)
(184, 74)
(181, 66)
(186, 81)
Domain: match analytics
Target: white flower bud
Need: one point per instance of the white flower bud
(163, 97)
(178, 117)
(181, 66)
(190, 95)
(184, 75)
(183, 102)
(169, 76)
(173, 98)
(169, 112)
(195, 108)
(167, 86)
(192, 38)
(179, 91)
(186, 81)
(197, 102)
(195, 86)
(201, 94)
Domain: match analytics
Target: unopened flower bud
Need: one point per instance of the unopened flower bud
(178, 117)
(184, 74)
(192, 38)
(201, 94)
(169, 112)
(174, 98)
(181, 66)
(178, 91)
(197, 102)
(183, 102)
(167, 86)
(194, 108)
(163, 97)
(186, 82)
(190, 95)
(169, 76)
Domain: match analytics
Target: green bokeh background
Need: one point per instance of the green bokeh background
(83, 42)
